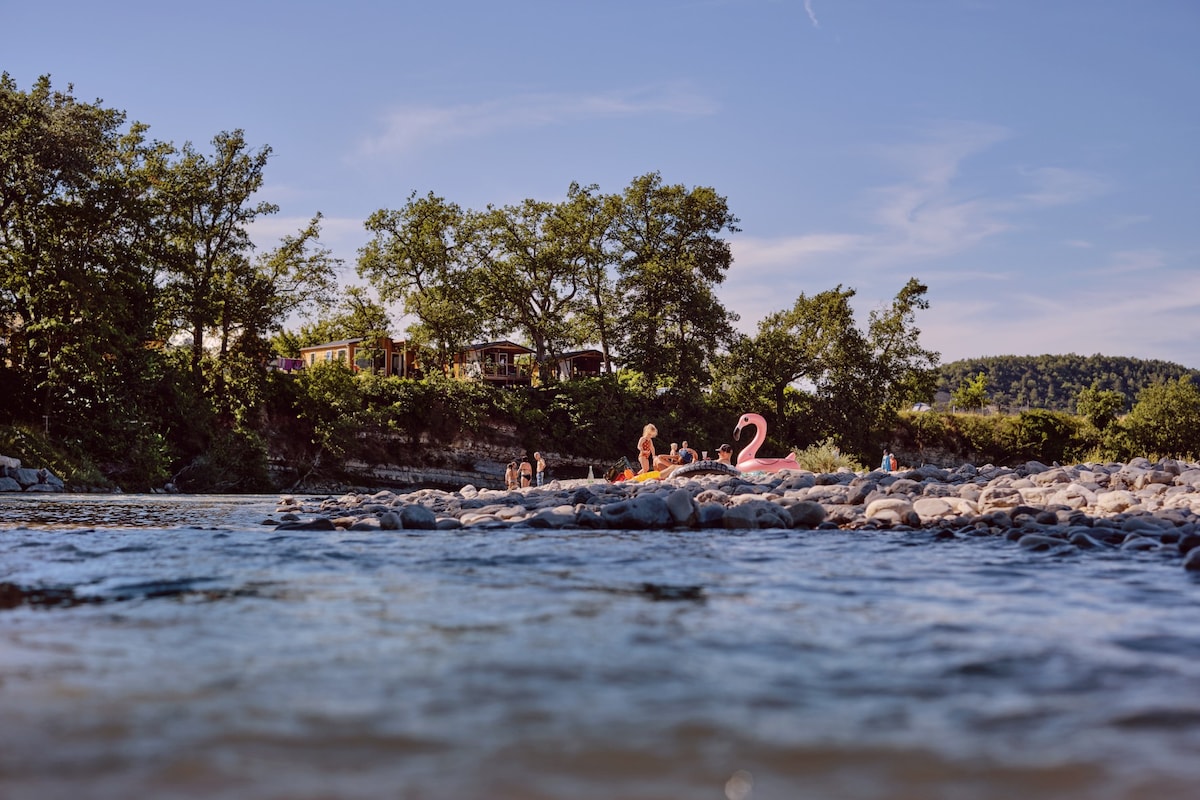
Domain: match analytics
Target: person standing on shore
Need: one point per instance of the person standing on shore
(540, 462)
(512, 478)
(526, 473)
(646, 447)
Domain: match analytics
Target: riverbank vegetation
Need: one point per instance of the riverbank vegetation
(138, 324)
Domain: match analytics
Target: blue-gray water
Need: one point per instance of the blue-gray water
(173, 647)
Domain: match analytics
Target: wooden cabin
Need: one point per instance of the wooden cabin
(502, 363)
(384, 356)
(579, 364)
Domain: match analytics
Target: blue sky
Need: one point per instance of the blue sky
(1035, 162)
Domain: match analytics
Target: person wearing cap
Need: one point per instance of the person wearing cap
(725, 454)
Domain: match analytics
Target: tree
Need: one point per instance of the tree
(1165, 421)
(1101, 407)
(897, 370)
(804, 343)
(584, 224)
(671, 261)
(972, 395)
(419, 256)
(530, 275)
(77, 240)
(812, 364)
(208, 210)
(296, 276)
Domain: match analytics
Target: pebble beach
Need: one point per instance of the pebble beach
(1135, 506)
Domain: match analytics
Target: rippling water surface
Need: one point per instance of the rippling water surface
(175, 647)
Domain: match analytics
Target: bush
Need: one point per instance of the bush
(1165, 421)
(826, 457)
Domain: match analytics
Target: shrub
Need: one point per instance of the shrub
(826, 456)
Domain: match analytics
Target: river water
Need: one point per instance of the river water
(175, 647)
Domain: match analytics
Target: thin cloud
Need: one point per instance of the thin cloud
(408, 129)
(812, 15)
(1055, 186)
(1134, 261)
(1112, 317)
(791, 251)
(927, 223)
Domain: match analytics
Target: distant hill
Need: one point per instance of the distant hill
(1054, 382)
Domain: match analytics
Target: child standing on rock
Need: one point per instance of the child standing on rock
(646, 447)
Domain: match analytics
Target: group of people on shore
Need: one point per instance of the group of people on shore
(523, 475)
(679, 455)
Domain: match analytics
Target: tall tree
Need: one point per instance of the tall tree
(848, 382)
(296, 276)
(531, 275)
(420, 255)
(584, 225)
(807, 343)
(672, 258)
(76, 242)
(209, 207)
(1165, 421)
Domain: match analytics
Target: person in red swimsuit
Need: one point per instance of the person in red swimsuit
(646, 447)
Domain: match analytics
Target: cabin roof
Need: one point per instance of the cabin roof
(338, 343)
(502, 344)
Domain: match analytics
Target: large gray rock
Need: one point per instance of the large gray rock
(9, 485)
(683, 508)
(806, 514)
(757, 514)
(645, 511)
(414, 517)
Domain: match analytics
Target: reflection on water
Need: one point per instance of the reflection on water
(176, 647)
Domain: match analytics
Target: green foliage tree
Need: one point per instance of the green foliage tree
(1101, 407)
(672, 258)
(530, 276)
(807, 343)
(1165, 421)
(971, 395)
(816, 369)
(77, 246)
(584, 224)
(420, 255)
(208, 209)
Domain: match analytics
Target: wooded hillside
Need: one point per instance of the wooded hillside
(1053, 382)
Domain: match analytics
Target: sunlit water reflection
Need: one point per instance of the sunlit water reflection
(176, 647)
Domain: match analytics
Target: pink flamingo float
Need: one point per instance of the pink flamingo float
(748, 460)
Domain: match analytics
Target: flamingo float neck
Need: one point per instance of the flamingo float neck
(750, 451)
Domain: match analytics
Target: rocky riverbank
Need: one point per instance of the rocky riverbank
(15, 478)
(1138, 506)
